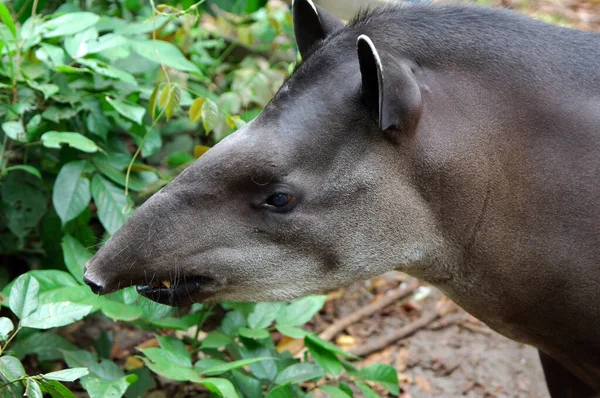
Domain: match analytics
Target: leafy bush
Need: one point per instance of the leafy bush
(101, 107)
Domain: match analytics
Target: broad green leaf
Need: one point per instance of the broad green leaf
(71, 193)
(32, 389)
(53, 139)
(265, 369)
(207, 363)
(383, 374)
(249, 386)
(256, 334)
(166, 369)
(313, 338)
(111, 202)
(7, 20)
(101, 388)
(75, 256)
(136, 184)
(173, 102)
(51, 55)
(67, 374)
(292, 331)
(105, 369)
(52, 315)
(324, 358)
(48, 89)
(301, 311)
(119, 311)
(48, 279)
(334, 392)
(299, 373)
(163, 52)
(24, 202)
(218, 369)
(77, 45)
(263, 315)
(232, 321)
(215, 340)
(220, 386)
(366, 390)
(176, 349)
(47, 346)
(281, 392)
(56, 389)
(69, 24)
(180, 323)
(105, 69)
(11, 369)
(6, 326)
(23, 299)
(132, 112)
(346, 388)
(210, 115)
(15, 130)
(196, 109)
(29, 169)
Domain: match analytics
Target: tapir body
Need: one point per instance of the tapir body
(459, 144)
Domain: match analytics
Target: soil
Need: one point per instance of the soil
(456, 356)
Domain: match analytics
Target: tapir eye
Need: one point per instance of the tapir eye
(279, 199)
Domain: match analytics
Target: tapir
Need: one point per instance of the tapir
(459, 144)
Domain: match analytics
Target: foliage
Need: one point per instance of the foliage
(103, 103)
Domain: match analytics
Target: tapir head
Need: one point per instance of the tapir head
(318, 191)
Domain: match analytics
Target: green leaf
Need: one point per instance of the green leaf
(132, 112)
(215, 340)
(48, 279)
(23, 298)
(220, 386)
(56, 389)
(301, 311)
(176, 350)
(313, 338)
(24, 202)
(180, 323)
(292, 331)
(324, 358)
(210, 115)
(163, 367)
(67, 374)
(281, 392)
(334, 392)
(15, 130)
(112, 204)
(6, 326)
(68, 24)
(196, 109)
(250, 386)
(47, 346)
(207, 363)
(118, 311)
(53, 139)
(346, 388)
(71, 193)
(263, 315)
(152, 101)
(75, 256)
(33, 389)
(136, 184)
(383, 374)
(299, 373)
(53, 315)
(11, 369)
(105, 69)
(218, 369)
(29, 169)
(173, 102)
(7, 20)
(163, 52)
(366, 390)
(232, 321)
(100, 388)
(256, 334)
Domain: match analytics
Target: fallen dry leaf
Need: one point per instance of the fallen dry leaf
(292, 345)
(423, 383)
(132, 363)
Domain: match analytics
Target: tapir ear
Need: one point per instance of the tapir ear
(311, 24)
(390, 90)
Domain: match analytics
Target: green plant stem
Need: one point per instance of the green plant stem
(10, 339)
(205, 315)
(14, 381)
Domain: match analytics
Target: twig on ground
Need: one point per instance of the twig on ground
(387, 339)
(392, 297)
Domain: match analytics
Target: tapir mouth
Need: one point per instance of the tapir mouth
(185, 291)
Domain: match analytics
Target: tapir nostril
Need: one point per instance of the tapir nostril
(97, 289)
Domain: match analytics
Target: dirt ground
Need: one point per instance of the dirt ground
(455, 356)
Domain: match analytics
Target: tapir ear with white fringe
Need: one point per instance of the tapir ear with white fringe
(312, 24)
(390, 89)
